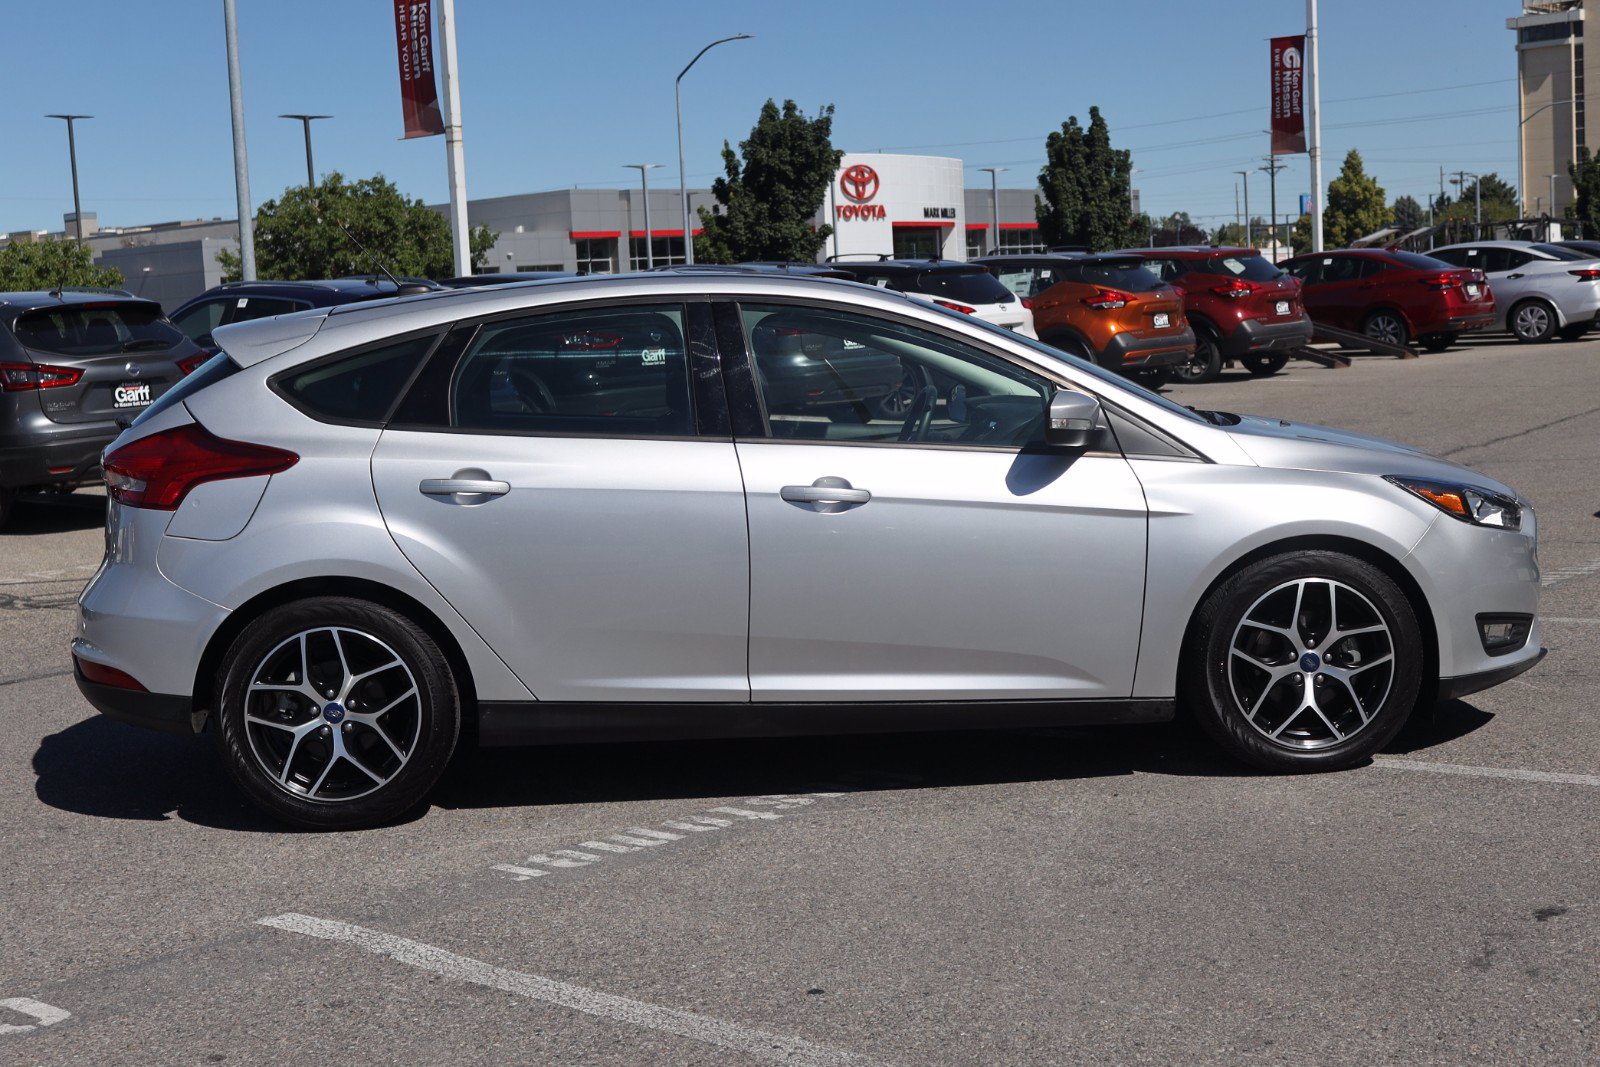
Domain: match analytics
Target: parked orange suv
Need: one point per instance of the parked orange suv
(1106, 308)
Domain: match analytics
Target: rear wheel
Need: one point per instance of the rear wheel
(1205, 365)
(336, 713)
(1386, 326)
(1304, 661)
(1533, 322)
(1264, 366)
(1438, 342)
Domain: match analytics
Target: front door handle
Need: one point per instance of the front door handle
(1517, 275)
(827, 495)
(470, 486)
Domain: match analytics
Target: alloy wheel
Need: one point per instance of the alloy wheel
(332, 714)
(1311, 663)
(1387, 328)
(1532, 321)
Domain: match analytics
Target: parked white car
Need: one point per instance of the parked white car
(1541, 291)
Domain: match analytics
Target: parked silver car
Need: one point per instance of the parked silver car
(1541, 291)
(602, 508)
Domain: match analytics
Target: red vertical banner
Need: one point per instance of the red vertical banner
(419, 93)
(1288, 95)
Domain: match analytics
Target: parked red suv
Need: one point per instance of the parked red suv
(1241, 307)
(1394, 296)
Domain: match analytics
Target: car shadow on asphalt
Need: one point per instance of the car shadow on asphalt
(105, 769)
(53, 513)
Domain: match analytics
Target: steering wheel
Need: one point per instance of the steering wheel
(531, 391)
(920, 414)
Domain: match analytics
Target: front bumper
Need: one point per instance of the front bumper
(1462, 685)
(1126, 352)
(1254, 336)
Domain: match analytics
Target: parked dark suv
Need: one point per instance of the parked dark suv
(965, 287)
(1240, 305)
(233, 302)
(76, 365)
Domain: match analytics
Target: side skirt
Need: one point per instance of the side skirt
(533, 722)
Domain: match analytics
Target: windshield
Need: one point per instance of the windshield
(97, 329)
(975, 286)
(1096, 372)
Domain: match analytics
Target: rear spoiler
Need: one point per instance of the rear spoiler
(251, 342)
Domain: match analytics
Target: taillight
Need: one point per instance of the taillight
(1440, 281)
(1586, 274)
(1234, 288)
(1027, 302)
(1104, 299)
(158, 471)
(190, 364)
(17, 377)
(953, 306)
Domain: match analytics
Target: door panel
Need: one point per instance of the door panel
(965, 575)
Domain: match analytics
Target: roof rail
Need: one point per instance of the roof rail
(881, 257)
(91, 289)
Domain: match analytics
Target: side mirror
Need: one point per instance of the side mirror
(1072, 420)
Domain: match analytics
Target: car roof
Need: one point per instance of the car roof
(361, 285)
(1192, 251)
(1020, 258)
(1365, 253)
(1493, 244)
(901, 265)
(32, 300)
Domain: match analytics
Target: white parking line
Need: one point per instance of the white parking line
(1553, 777)
(1570, 621)
(755, 1043)
(1576, 570)
(42, 1015)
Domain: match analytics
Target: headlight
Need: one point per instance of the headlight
(1465, 502)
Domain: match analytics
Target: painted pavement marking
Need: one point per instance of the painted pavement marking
(773, 1048)
(42, 1015)
(1512, 773)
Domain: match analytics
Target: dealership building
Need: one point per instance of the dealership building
(877, 203)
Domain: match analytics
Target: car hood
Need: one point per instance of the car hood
(1305, 446)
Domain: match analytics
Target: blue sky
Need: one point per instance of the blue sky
(559, 94)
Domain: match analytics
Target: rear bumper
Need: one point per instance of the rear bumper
(1126, 352)
(154, 711)
(1252, 336)
(54, 454)
(1463, 323)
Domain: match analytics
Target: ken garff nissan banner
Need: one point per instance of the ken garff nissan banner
(1288, 95)
(419, 93)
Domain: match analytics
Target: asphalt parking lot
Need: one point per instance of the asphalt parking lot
(1065, 896)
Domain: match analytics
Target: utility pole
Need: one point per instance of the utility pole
(994, 201)
(306, 121)
(683, 180)
(1248, 241)
(644, 170)
(72, 154)
(455, 151)
(1238, 223)
(1272, 168)
(241, 157)
(1314, 123)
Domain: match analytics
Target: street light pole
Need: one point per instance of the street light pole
(241, 155)
(1246, 176)
(307, 120)
(1553, 178)
(72, 153)
(683, 181)
(994, 201)
(455, 153)
(644, 170)
(1313, 91)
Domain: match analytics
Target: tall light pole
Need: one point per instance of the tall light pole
(994, 200)
(1552, 178)
(455, 151)
(683, 181)
(1313, 90)
(307, 120)
(1246, 176)
(644, 170)
(1522, 192)
(241, 156)
(72, 153)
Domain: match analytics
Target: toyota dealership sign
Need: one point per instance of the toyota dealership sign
(876, 195)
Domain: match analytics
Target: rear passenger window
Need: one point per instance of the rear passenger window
(360, 387)
(613, 372)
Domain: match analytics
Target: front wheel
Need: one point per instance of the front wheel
(1304, 661)
(1533, 322)
(1264, 366)
(1386, 326)
(336, 713)
(1205, 365)
(1438, 342)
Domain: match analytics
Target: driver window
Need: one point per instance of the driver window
(828, 375)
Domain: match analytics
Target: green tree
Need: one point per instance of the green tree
(1408, 215)
(29, 265)
(770, 202)
(1585, 208)
(1084, 189)
(302, 234)
(1177, 229)
(1356, 207)
(1496, 198)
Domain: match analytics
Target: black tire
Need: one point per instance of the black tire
(419, 732)
(1388, 325)
(1532, 322)
(8, 502)
(1070, 345)
(1438, 342)
(1219, 671)
(1206, 363)
(1574, 331)
(1264, 366)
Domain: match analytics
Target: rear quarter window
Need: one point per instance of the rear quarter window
(360, 387)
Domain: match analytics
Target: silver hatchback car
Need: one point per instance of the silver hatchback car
(679, 506)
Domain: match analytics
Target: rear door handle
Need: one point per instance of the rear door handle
(1517, 275)
(827, 495)
(466, 487)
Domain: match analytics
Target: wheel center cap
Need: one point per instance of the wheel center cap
(334, 711)
(1310, 663)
